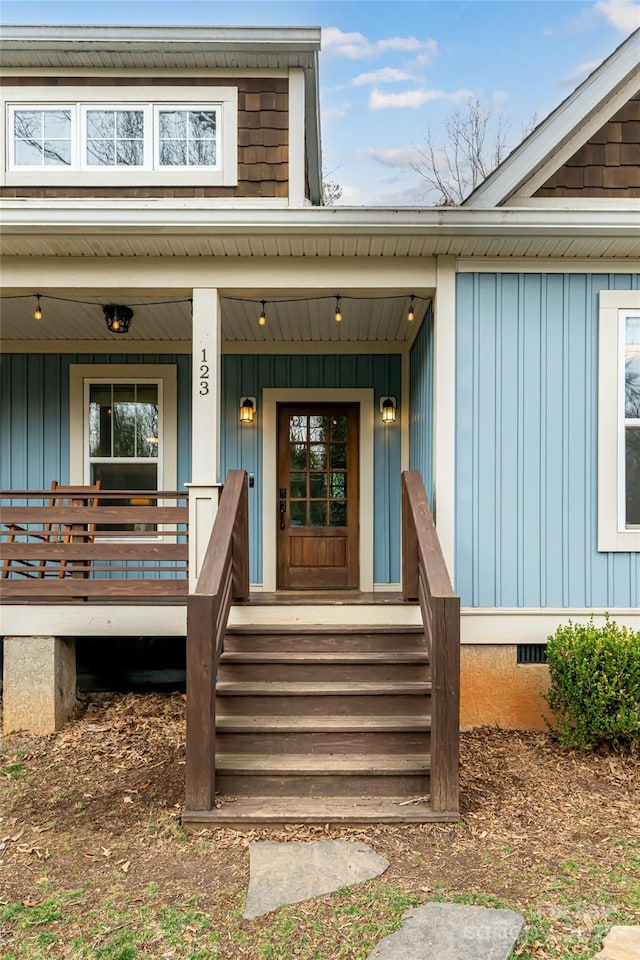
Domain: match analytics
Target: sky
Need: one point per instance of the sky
(393, 71)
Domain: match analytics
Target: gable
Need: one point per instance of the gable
(608, 165)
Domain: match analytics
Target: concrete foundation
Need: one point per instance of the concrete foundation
(497, 691)
(39, 683)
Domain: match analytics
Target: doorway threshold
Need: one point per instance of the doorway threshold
(328, 597)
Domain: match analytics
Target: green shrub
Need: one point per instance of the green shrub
(595, 684)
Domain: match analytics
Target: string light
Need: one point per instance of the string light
(411, 315)
(338, 314)
(262, 319)
(37, 313)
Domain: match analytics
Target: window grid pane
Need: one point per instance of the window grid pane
(188, 138)
(115, 138)
(42, 137)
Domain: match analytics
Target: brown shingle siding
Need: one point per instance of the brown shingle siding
(608, 165)
(263, 138)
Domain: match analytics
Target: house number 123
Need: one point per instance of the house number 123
(204, 375)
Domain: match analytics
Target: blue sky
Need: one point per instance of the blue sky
(392, 69)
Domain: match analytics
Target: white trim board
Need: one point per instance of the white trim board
(271, 396)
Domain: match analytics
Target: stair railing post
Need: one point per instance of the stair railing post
(445, 703)
(200, 786)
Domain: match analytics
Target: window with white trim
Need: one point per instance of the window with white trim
(82, 136)
(123, 443)
(619, 421)
(630, 369)
(135, 135)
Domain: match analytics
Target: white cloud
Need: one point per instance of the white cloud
(413, 98)
(340, 110)
(499, 96)
(384, 75)
(624, 15)
(580, 73)
(395, 156)
(355, 46)
(351, 196)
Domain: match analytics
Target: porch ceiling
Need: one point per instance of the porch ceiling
(310, 319)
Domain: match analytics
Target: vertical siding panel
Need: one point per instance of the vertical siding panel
(421, 403)
(465, 307)
(526, 485)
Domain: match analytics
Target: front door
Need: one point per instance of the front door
(318, 503)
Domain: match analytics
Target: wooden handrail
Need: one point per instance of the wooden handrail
(224, 577)
(425, 577)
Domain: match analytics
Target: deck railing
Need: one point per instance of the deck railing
(425, 578)
(78, 543)
(224, 577)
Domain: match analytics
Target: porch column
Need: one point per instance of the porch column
(205, 425)
(444, 444)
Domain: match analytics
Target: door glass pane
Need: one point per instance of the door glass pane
(298, 429)
(297, 485)
(339, 428)
(318, 456)
(632, 436)
(339, 486)
(338, 514)
(318, 485)
(147, 420)
(298, 456)
(318, 428)
(632, 368)
(298, 513)
(338, 456)
(318, 513)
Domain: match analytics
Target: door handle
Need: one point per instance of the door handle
(283, 510)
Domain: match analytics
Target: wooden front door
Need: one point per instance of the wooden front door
(318, 504)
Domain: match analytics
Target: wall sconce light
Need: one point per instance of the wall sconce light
(338, 314)
(388, 406)
(118, 317)
(247, 409)
(37, 313)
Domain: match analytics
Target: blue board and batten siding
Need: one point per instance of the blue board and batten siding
(421, 403)
(34, 415)
(526, 444)
(242, 445)
(34, 426)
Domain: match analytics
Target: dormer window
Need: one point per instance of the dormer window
(113, 139)
(42, 138)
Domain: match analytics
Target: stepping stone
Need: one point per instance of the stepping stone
(622, 943)
(290, 872)
(452, 931)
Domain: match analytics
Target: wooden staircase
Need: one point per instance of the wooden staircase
(299, 722)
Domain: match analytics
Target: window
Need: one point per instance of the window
(124, 436)
(619, 421)
(114, 138)
(123, 427)
(42, 138)
(187, 138)
(137, 136)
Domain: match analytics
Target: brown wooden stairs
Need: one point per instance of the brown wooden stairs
(319, 724)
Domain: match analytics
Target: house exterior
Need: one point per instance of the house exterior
(177, 173)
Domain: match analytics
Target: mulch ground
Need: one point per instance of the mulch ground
(96, 807)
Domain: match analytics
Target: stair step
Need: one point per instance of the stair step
(297, 688)
(256, 812)
(296, 628)
(321, 724)
(319, 765)
(325, 656)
